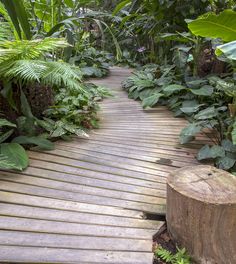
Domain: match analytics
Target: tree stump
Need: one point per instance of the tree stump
(201, 213)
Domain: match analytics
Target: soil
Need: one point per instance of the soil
(163, 239)
(39, 98)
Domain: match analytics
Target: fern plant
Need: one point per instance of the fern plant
(22, 63)
(33, 61)
(181, 257)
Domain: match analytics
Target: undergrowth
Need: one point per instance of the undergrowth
(180, 257)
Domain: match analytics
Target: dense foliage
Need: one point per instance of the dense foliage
(47, 48)
(196, 79)
(45, 52)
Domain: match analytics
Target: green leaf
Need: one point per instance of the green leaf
(58, 132)
(204, 153)
(194, 84)
(67, 22)
(7, 93)
(225, 163)
(22, 17)
(15, 155)
(74, 130)
(228, 145)
(49, 127)
(187, 134)
(25, 107)
(206, 90)
(5, 122)
(228, 49)
(233, 133)
(217, 151)
(151, 100)
(42, 143)
(190, 109)
(215, 26)
(9, 5)
(6, 135)
(170, 89)
(207, 113)
(211, 153)
(121, 5)
(69, 3)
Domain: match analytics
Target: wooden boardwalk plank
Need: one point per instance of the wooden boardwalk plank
(52, 255)
(86, 201)
(72, 241)
(65, 215)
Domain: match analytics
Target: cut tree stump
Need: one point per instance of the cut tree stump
(201, 213)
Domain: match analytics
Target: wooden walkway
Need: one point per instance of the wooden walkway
(86, 201)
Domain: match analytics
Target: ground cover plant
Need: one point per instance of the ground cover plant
(43, 95)
(198, 82)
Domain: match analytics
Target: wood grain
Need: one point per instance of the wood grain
(206, 217)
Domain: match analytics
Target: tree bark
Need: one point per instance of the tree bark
(201, 213)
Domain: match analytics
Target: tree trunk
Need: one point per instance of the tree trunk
(201, 213)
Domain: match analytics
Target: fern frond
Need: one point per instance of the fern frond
(30, 49)
(164, 254)
(58, 74)
(62, 74)
(27, 70)
(5, 31)
(7, 55)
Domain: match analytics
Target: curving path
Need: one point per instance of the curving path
(86, 201)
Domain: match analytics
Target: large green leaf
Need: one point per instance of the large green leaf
(205, 90)
(151, 100)
(187, 134)
(22, 17)
(225, 163)
(75, 130)
(121, 5)
(215, 26)
(191, 109)
(38, 141)
(228, 49)
(233, 133)
(6, 135)
(170, 89)
(207, 113)
(25, 107)
(213, 152)
(18, 15)
(228, 145)
(5, 122)
(9, 5)
(13, 156)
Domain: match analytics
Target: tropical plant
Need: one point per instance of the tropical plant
(92, 62)
(222, 26)
(203, 101)
(31, 60)
(180, 257)
(74, 111)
